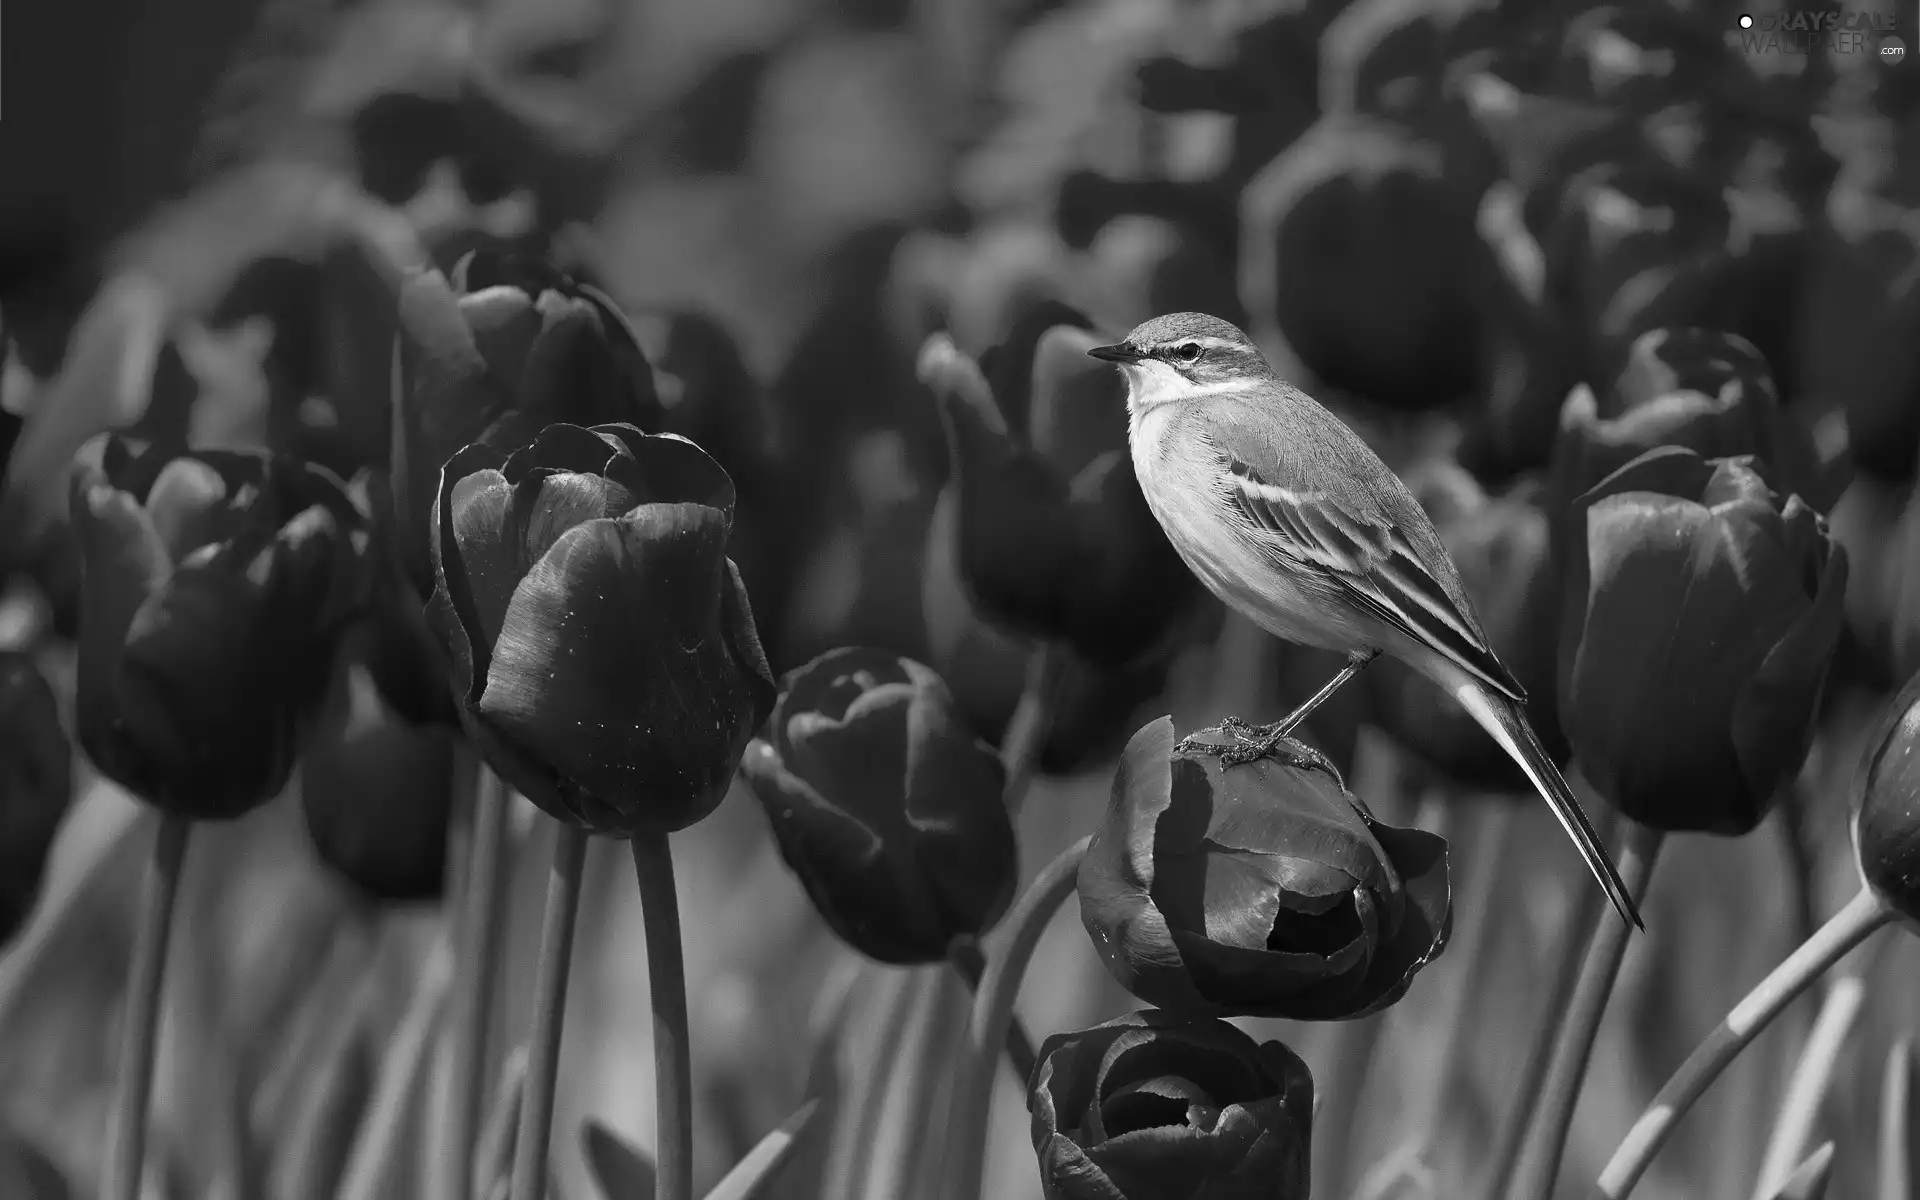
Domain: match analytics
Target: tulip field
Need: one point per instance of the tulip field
(943, 600)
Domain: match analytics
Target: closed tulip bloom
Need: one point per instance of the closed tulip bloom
(504, 348)
(1702, 611)
(1886, 830)
(36, 785)
(604, 652)
(217, 585)
(376, 789)
(1153, 1106)
(1708, 391)
(886, 805)
(1259, 890)
(1502, 547)
(1054, 538)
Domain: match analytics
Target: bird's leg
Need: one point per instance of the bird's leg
(1356, 662)
(1261, 741)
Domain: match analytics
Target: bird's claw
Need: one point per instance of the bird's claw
(1252, 743)
(1280, 748)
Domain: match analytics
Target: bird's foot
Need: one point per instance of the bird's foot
(1279, 747)
(1198, 742)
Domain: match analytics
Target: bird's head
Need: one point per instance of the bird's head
(1185, 356)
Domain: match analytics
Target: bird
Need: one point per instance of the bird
(1289, 517)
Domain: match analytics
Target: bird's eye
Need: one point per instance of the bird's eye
(1187, 352)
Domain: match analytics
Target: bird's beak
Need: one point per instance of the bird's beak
(1120, 353)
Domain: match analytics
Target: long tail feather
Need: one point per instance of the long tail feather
(1507, 722)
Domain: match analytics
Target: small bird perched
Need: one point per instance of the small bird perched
(1284, 513)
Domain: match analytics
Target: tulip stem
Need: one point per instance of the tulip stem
(1524, 1096)
(1864, 914)
(1580, 1022)
(1032, 720)
(141, 1026)
(667, 992)
(971, 964)
(549, 1011)
(993, 1015)
(477, 923)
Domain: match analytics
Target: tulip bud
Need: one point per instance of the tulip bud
(885, 805)
(1501, 547)
(1153, 1106)
(604, 652)
(377, 790)
(1708, 391)
(217, 585)
(36, 785)
(1258, 890)
(1701, 613)
(504, 349)
(1886, 831)
(1360, 251)
(1049, 550)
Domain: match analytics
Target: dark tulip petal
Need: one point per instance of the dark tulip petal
(36, 785)
(123, 562)
(1304, 813)
(218, 676)
(1230, 896)
(504, 327)
(563, 501)
(1738, 481)
(1666, 470)
(675, 470)
(1774, 717)
(376, 795)
(611, 668)
(1066, 1173)
(743, 639)
(1642, 570)
(1174, 1161)
(864, 892)
(1273, 983)
(1068, 1073)
(1209, 1071)
(445, 397)
(187, 504)
(451, 613)
(1142, 1104)
(955, 804)
(562, 447)
(1886, 825)
(806, 688)
(858, 762)
(1420, 858)
(491, 540)
(1117, 876)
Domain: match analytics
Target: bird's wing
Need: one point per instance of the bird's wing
(1372, 560)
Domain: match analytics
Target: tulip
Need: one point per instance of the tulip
(1153, 1106)
(1359, 251)
(1708, 391)
(1054, 539)
(217, 585)
(377, 790)
(36, 785)
(604, 653)
(885, 805)
(1260, 890)
(505, 348)
(1886, 830)
(1701, 612)
(1501, 546)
